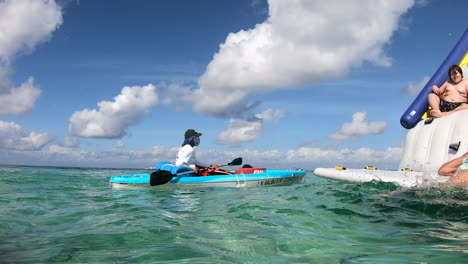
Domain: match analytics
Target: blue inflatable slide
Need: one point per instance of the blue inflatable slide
(458, 55)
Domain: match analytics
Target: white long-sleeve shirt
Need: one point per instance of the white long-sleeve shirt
(186, 157)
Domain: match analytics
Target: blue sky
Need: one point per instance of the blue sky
(282, 84)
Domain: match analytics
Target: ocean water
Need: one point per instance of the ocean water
(70, 215)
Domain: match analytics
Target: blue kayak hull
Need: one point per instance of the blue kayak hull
(270, 177)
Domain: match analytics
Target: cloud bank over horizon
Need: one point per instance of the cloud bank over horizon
(304, 157)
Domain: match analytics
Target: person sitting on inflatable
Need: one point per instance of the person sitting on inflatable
(457, 169)
(186, 155)
(456, 94)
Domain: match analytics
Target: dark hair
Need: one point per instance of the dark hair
(455, 68)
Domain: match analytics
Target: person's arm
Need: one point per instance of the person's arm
(449, 168)
(197, 162)
(201, 164)
(441, 90)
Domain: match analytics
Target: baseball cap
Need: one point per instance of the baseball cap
(191, 133)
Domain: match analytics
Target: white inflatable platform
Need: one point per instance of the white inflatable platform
(428, 145)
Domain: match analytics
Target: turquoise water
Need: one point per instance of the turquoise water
(70, 215)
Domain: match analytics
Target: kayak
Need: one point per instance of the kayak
(243, 179)
(407, 179)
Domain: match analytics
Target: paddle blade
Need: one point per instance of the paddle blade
(235, 162)
(160, 177)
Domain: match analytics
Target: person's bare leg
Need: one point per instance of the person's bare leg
(434, 102)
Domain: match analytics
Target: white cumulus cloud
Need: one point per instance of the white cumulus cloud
(19, 100)
(70, 142)
(413, 89)
(120, 145)
(13, 137)
(301, 42)
(271, 115)
(240, 131)
(358, 127)
(68, 145)
(23, 25)
(113, 118)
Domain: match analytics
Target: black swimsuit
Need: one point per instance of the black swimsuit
(448, 106)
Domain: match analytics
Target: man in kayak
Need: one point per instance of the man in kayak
(457, 169)
(455, 92)
(186, 155)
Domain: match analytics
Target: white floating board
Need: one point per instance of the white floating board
(400, 178)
